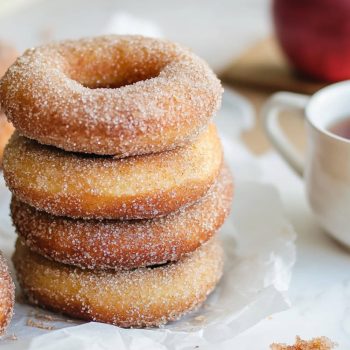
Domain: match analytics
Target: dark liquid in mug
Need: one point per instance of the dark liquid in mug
(341, 128)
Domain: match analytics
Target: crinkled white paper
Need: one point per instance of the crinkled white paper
(260, 252)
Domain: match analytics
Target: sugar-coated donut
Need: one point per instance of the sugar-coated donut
(7, 296)
(110, 95)
(132, 298)
(86, 186)
(114, 244)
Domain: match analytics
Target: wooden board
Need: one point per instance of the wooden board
(256, 74)
(264, 66)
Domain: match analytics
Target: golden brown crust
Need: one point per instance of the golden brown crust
(7, 296)
(110, 95)
(86, 186)
(137, 298)
(111, 244)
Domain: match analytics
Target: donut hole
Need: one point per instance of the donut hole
(119, 82)
(113, 64)
(107, 74)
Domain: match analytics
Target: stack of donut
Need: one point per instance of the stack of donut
(117, 177)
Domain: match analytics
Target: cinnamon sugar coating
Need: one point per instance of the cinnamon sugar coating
(7, 296)
(87, 186)
(136, 298)
(110, 95)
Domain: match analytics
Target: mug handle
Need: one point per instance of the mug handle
(270, 114)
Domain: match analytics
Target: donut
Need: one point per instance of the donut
(128, 298)
(7, 296)
(114, 244)
(8, 55)
(90, 186)
(110, 95)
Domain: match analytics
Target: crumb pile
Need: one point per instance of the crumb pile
(320, 343)
(123, 230)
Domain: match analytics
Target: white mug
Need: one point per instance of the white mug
(326, 166)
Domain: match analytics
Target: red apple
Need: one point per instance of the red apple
(315, 36)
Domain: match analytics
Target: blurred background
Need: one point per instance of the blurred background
(217, 31)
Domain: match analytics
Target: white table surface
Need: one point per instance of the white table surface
(219, 31)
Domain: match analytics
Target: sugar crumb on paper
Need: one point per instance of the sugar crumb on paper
(39, 324)
(320, 343)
